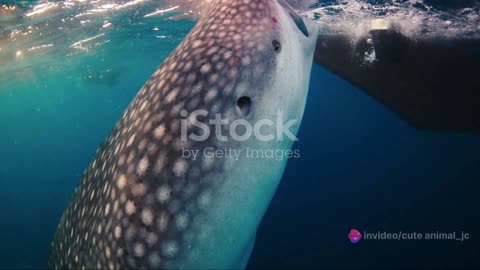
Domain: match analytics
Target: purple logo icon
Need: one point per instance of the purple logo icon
(354, 236)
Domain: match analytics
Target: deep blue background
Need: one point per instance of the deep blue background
(363, 167)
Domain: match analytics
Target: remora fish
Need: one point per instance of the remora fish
(141, 203)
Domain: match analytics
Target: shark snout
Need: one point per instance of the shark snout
(297, 19)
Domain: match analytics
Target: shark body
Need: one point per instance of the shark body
(142, 203)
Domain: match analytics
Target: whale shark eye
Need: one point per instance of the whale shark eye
(276, 45)
(300, 23)
(244, 104)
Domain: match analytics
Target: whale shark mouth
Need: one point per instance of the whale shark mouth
(295, 17)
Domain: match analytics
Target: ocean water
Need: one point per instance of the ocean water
(68, 69)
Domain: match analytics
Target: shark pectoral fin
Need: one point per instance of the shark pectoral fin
(432, 84)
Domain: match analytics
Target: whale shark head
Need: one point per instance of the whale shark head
(252, 59)
(174, 185)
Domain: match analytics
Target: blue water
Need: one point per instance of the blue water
(361, 166)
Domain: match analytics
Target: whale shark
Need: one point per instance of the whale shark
(175, 186)
(143, 202)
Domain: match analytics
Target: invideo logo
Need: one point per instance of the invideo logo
(354, 236)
